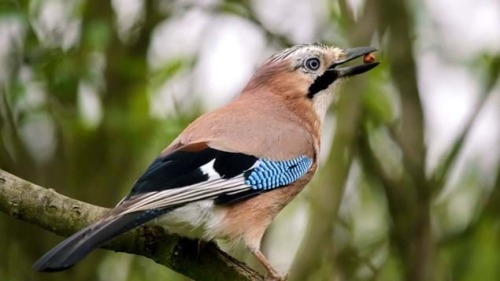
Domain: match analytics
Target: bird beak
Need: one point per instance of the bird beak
(352, 54)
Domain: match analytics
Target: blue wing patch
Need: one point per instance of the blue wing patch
(271, 174)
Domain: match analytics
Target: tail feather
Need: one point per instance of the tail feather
(80, 244)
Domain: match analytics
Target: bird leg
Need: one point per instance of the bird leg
(272, 273)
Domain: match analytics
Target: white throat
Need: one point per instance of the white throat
(323, 100)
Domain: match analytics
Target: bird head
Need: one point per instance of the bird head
(311, 72)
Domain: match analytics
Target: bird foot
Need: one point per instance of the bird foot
(276, 277)
(272, 273)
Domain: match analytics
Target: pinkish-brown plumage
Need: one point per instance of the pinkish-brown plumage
(277, 118)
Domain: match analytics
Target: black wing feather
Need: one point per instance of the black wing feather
(230, 199)
(180, 168)
(229, 165)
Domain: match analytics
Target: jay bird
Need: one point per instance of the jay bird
(230, 172)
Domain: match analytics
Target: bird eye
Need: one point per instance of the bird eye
(312, 64)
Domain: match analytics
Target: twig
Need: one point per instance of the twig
(440, 174)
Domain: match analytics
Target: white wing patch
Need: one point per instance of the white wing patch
(208, 169)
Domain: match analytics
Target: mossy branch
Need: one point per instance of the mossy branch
(64, 216)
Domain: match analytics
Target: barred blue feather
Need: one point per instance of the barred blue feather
(271, 174)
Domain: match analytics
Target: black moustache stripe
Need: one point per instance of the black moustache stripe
(321, 83)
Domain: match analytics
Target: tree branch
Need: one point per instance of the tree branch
(440, 174)
(416, 246)
(63, 215)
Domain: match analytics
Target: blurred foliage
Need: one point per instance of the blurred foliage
(76, 115)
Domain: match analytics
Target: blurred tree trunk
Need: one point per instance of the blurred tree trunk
(410, 199)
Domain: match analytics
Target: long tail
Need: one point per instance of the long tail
(80, 244)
